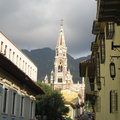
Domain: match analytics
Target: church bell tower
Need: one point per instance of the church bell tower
(62, 77)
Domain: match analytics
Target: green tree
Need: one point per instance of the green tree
(50, 104)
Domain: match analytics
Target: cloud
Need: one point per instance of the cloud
(36, 23)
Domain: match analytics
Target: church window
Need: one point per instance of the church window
(60, 68)
(59, 80)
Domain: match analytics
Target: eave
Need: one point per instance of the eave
(19, 75)
(108, 10)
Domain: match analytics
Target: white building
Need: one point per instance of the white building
(17, 86)
(10, 51)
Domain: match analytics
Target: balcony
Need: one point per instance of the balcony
(87, 66)
(96, 27)
(108, 10)
(94, 47)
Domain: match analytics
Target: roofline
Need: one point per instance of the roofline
(19, 75)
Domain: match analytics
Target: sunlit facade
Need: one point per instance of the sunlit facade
(105, 62)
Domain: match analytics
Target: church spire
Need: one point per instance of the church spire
(61, 38)
(61, 22)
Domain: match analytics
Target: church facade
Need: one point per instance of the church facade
(61, 78)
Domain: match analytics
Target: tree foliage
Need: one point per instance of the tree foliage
(50, 104)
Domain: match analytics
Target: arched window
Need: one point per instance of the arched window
(60, 68)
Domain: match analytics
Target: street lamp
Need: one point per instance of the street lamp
(99, 85)
(112, 70)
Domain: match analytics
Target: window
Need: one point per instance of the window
(22, 106)
(91, 80)
(98, 72)
(113, 101)
(14, 102)
(31, 109)
(13, 56)
(1, 46)
(17, 60)
(5, 100)
(109, 30)
(9, 53)
(60, 68)
(5, 50)
(102, 48)
(20, 63)
(60, 80)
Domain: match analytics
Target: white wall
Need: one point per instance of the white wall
(17, 57)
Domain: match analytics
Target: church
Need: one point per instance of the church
(61, 78)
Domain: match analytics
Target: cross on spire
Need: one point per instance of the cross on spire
(61, 22)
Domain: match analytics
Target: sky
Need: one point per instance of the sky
(35, 24)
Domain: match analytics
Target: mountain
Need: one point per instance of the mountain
(44, 60)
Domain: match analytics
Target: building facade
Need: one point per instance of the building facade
(103, 69)
(17, 83)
